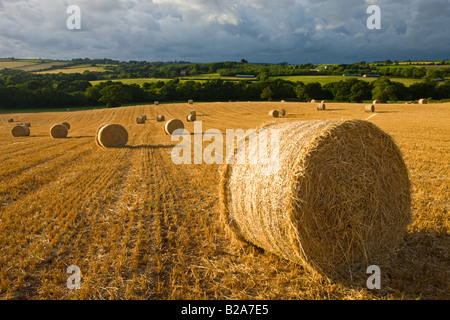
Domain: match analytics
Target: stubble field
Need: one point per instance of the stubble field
(140, 227)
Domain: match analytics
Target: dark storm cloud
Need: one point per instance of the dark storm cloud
(215, 30)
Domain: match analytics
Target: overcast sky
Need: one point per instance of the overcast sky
(293, 31)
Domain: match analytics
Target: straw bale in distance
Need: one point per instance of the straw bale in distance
(339, 202)
(191, 101)
(156, 103)
(321, 106)
(376, 102)
(191, 118)
(313, 101)
(140, 120)
(144, 116)
(10, 120)
(193, 112)
(369, 108)
(274, 113)
(27, 124)
(66, 124)
(160, 118)
(173, 125)
(59, 131)
(20, 131)
(112, 136)
(283, 112)
(423, 101)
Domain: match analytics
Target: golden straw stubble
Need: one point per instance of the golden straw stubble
(112, 135)
(340, 200)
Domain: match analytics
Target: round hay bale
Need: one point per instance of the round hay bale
(323, 101)
(313, 101)
(20, 131)
(156, 103)
(66, 124)
(191, 101)
(274, 113)
(369, 108)
(27, 124)
(140, 120)
(283, 101)
(191, 118)
(321, 106)
(283, 112)
(193, 112)
(59, 131)
(173, 125)
(423, 101)
(160, 118)
(339, 201)
(144, 116)
(112, 136)
(376, 102)
(10, 120)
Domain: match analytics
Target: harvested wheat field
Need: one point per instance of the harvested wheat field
(140, 227)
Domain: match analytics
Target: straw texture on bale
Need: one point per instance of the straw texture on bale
(321, 106)
(59, 131)
(66, 124)
(274, 113)
(173, 125)
(20, 131)
(112, 136)
(191, 118)
(283, 112)
(340, 200)
(369, 108)
(140, 120)
(160, 118)
(423, 101)
(10, 120)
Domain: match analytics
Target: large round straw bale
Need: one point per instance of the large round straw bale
(283, 112)
(338, 201)
(140, 120)
(274, 113)
(20, 131)
(160, 118)
(191, 118)
(59, 131)
(10, 120)
(191, 101)
(423, 101)
(321, 106)
(369, 108)
(376, 102)
(173, 125)
(112, 136)
(66, 124)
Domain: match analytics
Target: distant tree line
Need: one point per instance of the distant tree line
(20, 90)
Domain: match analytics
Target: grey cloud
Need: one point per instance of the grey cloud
(214, 30)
